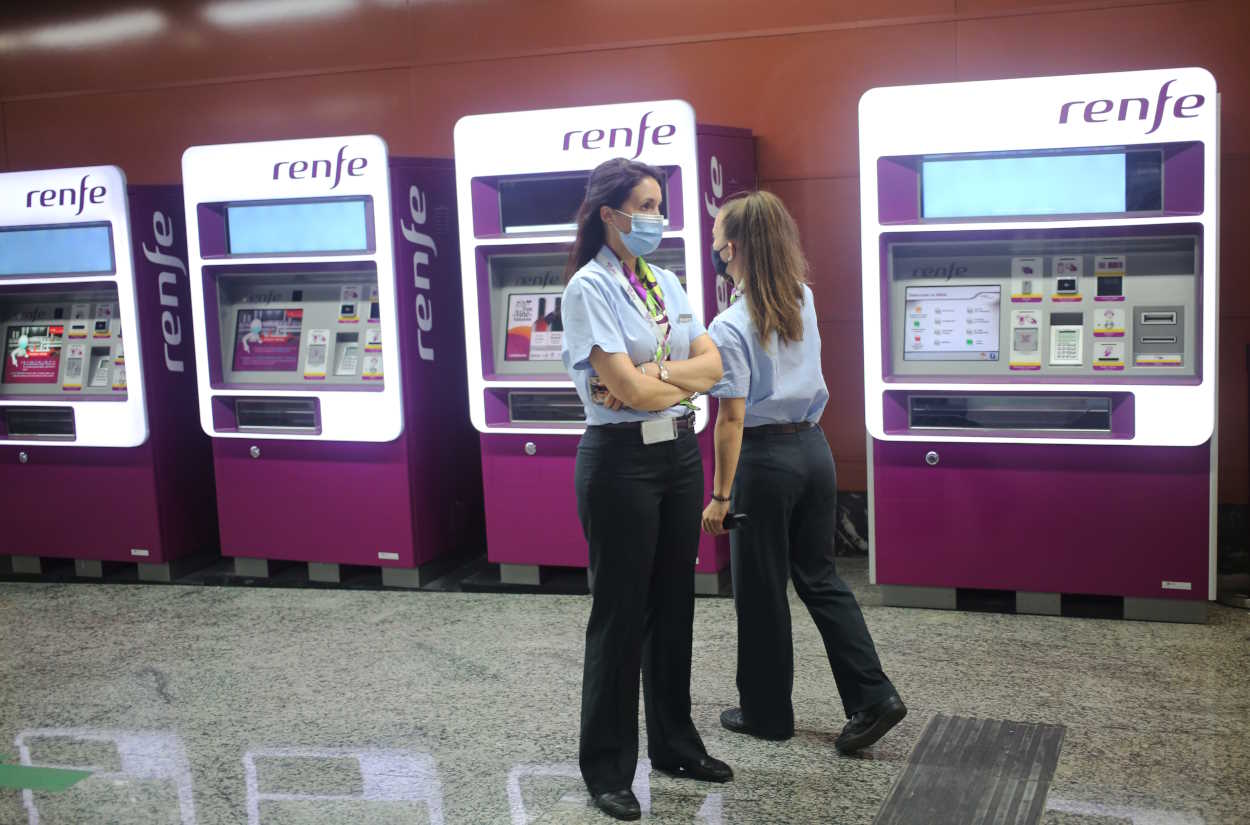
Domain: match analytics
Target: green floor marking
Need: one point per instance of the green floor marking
(52, 780)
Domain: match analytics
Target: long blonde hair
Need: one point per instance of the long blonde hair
(767, 240)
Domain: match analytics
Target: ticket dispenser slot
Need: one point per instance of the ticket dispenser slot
(51, 423)
(545, 407)
(1033, 412)
(276, 414)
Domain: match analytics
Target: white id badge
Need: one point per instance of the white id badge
(659, 430)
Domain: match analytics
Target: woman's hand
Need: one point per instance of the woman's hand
(714, 517)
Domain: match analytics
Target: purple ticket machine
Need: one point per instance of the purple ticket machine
(100, 457)
(1040, 262)
(520, 178)
(325, 286)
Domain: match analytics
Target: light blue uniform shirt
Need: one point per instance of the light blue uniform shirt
(598, 311)
(782, 383)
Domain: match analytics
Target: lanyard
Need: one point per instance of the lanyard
(648, 289)
(646, 296)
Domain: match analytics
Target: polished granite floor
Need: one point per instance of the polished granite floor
(237, 705)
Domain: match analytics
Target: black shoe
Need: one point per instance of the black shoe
(869, 725)
(705, 768)
(732, 720)
(618, 804)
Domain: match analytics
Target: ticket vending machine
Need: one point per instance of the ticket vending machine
(1040, 274)
(102, 459)
(520, 178)
(331, 370)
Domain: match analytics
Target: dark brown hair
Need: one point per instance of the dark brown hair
(771, 258)
(609, 185)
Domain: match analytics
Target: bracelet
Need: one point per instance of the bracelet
(722, 499)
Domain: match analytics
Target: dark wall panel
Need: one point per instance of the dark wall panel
(189, 46)
(798, 98)
(192, 44)
(1234, 239)
(1210, 33)
(827, 212)
(1234, 410)
(146, 132)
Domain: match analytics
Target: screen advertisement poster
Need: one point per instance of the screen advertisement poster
(32, 354)
(267, 340)
(535, 328)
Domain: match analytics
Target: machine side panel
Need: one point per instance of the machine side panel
(1106, 520)
(726, 168)
(181, 452)
(441, 440)
(329, 502)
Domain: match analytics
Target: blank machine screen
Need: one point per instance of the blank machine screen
(56, 250)
(340, 225)
(1052, 184)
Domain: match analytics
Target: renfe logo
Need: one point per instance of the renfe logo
(166, 284)
(591, 138)
(420, 258)
(1098, 111)
(951, 270)
(300, 169)
(67, 197)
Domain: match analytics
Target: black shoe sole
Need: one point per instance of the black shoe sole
(679, 773)
(880, 728)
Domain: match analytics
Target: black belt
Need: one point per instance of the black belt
(778, 429)
(686, 422)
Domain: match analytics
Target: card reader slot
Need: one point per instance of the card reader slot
(1156, 339)
(275, 414)
(1162, 318)
(537, 407)
(1010, 412)
(39, 422)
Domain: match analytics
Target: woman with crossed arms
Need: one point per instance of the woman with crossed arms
(636, 354)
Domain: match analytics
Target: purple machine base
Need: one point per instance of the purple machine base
(104, 503)
(520, 532)
(1091, 520)
(531, 506)
(398, 504)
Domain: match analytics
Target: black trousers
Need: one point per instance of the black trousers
(640, 508)
(786, 485)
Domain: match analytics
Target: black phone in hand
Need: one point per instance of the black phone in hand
(734, 520)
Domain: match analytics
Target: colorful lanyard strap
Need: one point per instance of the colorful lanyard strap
(648, 290)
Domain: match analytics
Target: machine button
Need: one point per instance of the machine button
(531, 448)
(254, 451)
(931, 458)
(23, 457)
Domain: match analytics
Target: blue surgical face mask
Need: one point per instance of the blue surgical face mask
(644, 233)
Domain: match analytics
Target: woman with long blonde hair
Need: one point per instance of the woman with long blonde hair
(773, 462)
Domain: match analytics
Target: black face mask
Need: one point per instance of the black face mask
(718, 263)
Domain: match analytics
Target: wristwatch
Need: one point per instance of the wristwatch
(663, 371)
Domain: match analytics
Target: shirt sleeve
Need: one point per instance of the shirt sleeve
(736, 381)
(589, 322)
